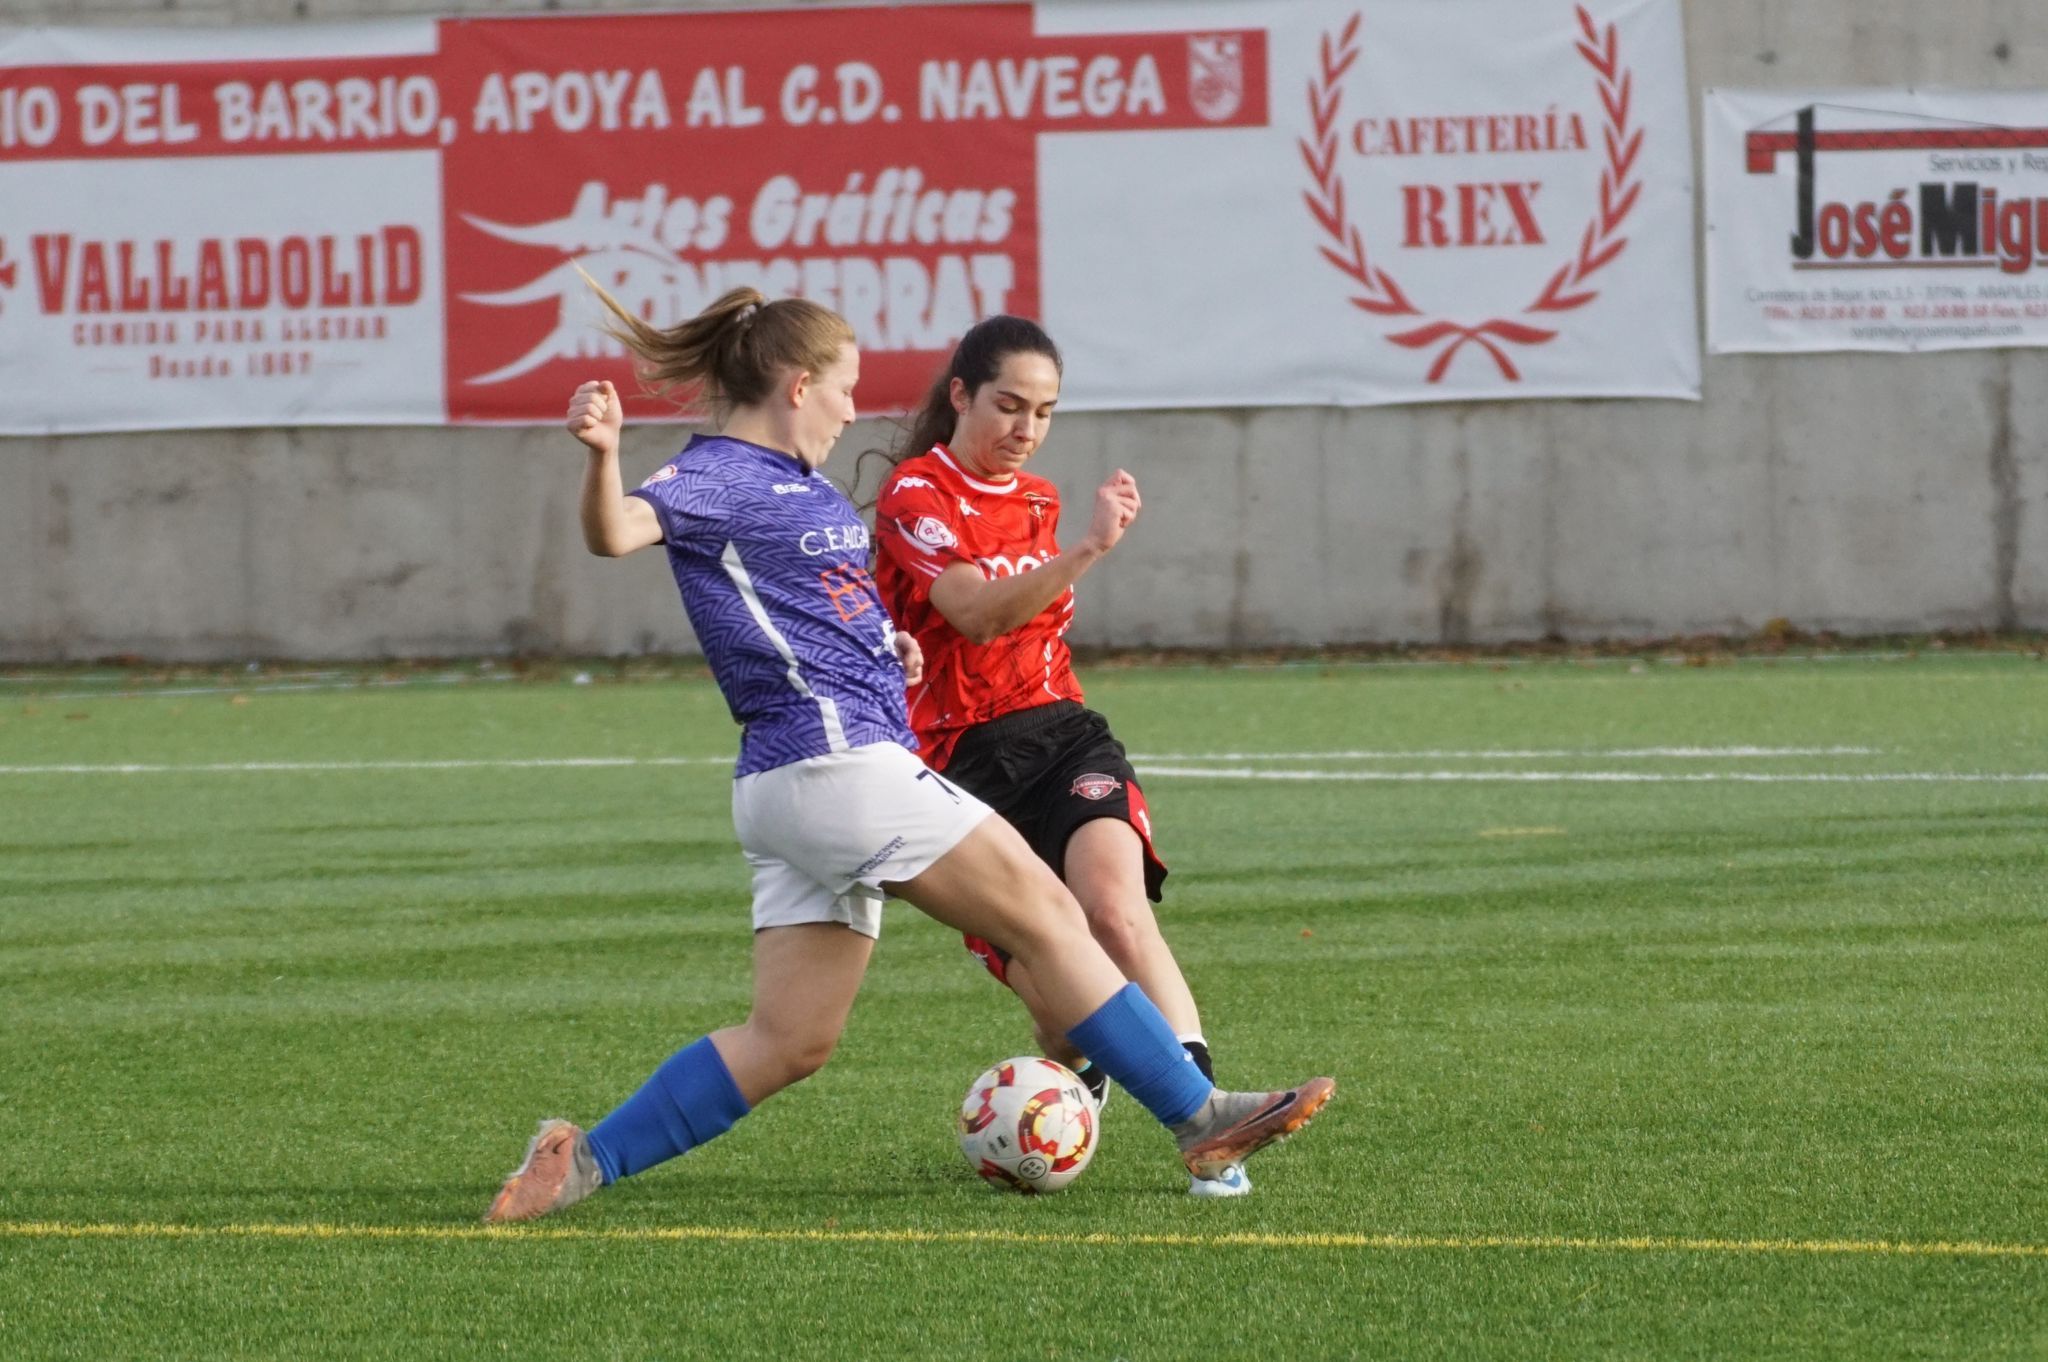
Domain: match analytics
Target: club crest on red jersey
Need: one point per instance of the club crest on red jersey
(933, 532)
(1097, 786)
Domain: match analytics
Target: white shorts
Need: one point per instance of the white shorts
(824, 834)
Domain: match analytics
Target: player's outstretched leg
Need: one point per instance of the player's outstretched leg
(692, 1098)
(992, 886)
(805, 979)
(559, 1170)
(1232, 1126)
(1214, 1128)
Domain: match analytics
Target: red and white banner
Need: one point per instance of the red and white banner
(1263, 202)
(1876, 219)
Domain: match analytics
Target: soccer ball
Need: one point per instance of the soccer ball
(1028, 1124)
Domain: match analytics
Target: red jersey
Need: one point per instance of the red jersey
(932, 515)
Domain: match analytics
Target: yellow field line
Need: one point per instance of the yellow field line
(1892, 1248)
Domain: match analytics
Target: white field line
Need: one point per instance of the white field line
(123, 679)
(116, 678)
(383, 683)
(1510, 753)
(128, 678)
(1618, 659)
(1608, 777)
(1165, 771)
(511, 763)
(260, 767)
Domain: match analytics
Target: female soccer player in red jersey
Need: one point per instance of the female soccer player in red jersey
(968, 560)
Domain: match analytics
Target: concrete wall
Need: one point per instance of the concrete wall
(1854, 493)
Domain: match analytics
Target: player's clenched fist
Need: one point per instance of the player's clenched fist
(1124, 488)
(1116, 506)
(596, 415)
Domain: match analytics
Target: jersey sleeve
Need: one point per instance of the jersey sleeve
(917, 527)
(691, 504)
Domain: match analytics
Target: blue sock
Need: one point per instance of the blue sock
(1135, 1046)
(690, 1099)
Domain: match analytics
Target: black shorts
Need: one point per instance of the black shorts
(1050, 769)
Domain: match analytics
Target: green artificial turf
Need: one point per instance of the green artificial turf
(1678, 1067)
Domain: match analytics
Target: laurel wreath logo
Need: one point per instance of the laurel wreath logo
(1377, 292)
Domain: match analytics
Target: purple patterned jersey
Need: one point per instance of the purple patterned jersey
(771, 559)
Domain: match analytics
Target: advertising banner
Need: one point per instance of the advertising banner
(1266, 202)
(1875, 219)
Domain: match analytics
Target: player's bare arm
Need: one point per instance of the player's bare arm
(614, 524)
(983, 609)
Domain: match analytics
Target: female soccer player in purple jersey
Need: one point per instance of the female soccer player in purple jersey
(832, 807)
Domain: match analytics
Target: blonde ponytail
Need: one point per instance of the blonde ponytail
(733, 352)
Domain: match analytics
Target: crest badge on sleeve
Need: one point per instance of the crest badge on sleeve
(933, 532)
(1215, 75)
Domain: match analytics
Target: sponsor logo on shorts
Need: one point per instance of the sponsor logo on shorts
(895, 845)
(1097, 786)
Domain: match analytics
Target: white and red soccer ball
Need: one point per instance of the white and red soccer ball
(1028, 1124)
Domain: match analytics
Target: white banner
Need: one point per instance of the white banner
(1875, 219)
(1209, 203)
(1453, 199)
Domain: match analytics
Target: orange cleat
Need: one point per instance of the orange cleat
(1237, 1125)
(559, 1171)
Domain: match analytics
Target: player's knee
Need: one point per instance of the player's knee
(1044, 918)
(812, 1056)
(1125, 930)
(797, 1052)
(802, 1058)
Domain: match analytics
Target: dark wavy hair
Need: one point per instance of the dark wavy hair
(976, 359)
